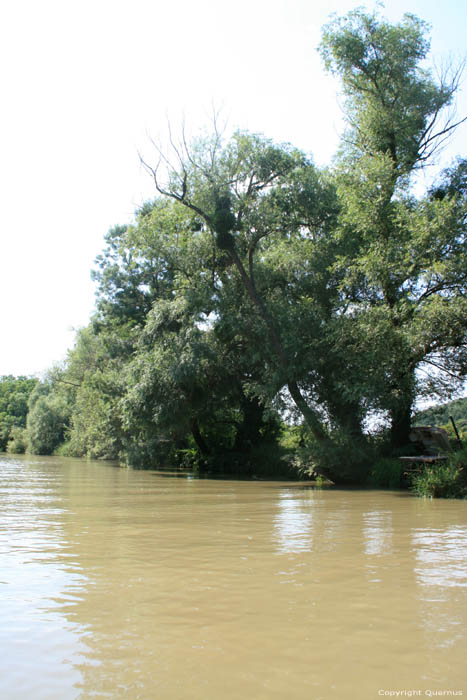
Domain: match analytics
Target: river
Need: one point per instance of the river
(117, 583)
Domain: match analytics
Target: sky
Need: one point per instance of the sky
(86, 86)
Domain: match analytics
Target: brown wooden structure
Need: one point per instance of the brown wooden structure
(434, 442)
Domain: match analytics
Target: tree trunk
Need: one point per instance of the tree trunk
(198, 438)
(400, 425)
(400, 408)
(248, 433)
(347, 416)
(311, 417)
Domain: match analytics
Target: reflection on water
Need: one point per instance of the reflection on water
(36, 575)
(132, 584)
(377, 532)
(441, 556)
(440, 569)
(293, 525)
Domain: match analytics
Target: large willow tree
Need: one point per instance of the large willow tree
(369, 278)
(404, 257)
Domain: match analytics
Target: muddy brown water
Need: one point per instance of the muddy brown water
(140, 584)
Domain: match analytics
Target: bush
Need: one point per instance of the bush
(14, 395)
(64, 450)
(269, 461)
(386, 473)
(443, 479)
(18, 441)
(344, 460)
(47, 422)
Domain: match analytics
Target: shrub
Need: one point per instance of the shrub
(443, 479)
(64, 450)
(46, 424)
(386, 473)
(344, 460)
(18, 441)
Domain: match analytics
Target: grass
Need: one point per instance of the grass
(386, 473)
(443, 479)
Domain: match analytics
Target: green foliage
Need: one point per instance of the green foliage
(268, 461)
(64, 449)
(443, 479)
(386, 473)
(14, 395)
(291, 436)
(18, 441)
(95, 373)
(47, 421)
(401, 261)
(392, 100)
(458, 459)
(438, 416)
(343, 461)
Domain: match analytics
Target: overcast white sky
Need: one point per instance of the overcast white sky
(84, 83)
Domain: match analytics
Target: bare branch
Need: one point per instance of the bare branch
(64, 381)
(440, 287)
(442, 369)
(175, 148)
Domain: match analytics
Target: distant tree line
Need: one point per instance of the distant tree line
(14, 398)
(439, 416)
(258, 292)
